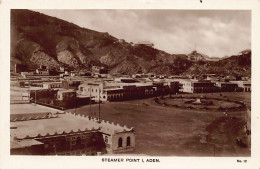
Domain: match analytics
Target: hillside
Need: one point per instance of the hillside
(236, 65)
(38, 39)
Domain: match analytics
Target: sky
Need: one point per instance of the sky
(216, 33)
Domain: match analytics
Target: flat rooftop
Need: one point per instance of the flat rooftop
(63, 122)
(30, 108)
(24, 143)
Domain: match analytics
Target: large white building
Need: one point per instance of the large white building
(111, 91)
(195, 86)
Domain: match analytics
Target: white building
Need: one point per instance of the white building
(245, 85)
(42, 72)
(186, 85)
(92, 90)
(25, 74)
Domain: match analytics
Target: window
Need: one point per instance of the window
(96, 90)
(120, 142)
(78, 141)
(128, 141)
(106, 139)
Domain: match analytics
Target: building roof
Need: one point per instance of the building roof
(52, 83)
(66, 91)
(63, 123)
(30, 108)
(112, 89)
(60, 123)
(24, 143)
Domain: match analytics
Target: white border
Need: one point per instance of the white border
(7, 161)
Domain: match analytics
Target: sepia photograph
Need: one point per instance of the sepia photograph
(145, 82)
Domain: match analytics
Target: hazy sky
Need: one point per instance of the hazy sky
(212, 32)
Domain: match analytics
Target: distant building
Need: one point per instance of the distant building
(121, 40)
(65, 74)
(192, 86)
(42, 71)
(25, 74)
(66, 95)
(174, 87)
(51, 85)
(245, 52)
(244, 85)
(160, 88)
(145, 43)
(227, 86)
(112, 94)
(195, 56)
(117, 91)
(92, 90)
(99, 71)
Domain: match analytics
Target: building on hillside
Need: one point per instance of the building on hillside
(145, 43)
(245, 52)
(195, 56)
(63, 69)
(99, 70)
(85, 73)
(65, 74)
(209, 76)
(43, 70)
(67, 134)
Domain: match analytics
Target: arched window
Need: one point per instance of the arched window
(106, 139)
(120, 142)
(128, 141)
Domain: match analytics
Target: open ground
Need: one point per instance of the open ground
(171, 131)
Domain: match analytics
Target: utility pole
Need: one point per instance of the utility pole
(99, 106)
(75, 102)
(90, 101)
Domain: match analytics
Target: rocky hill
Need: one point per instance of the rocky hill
(38, 39)
(236, 65)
